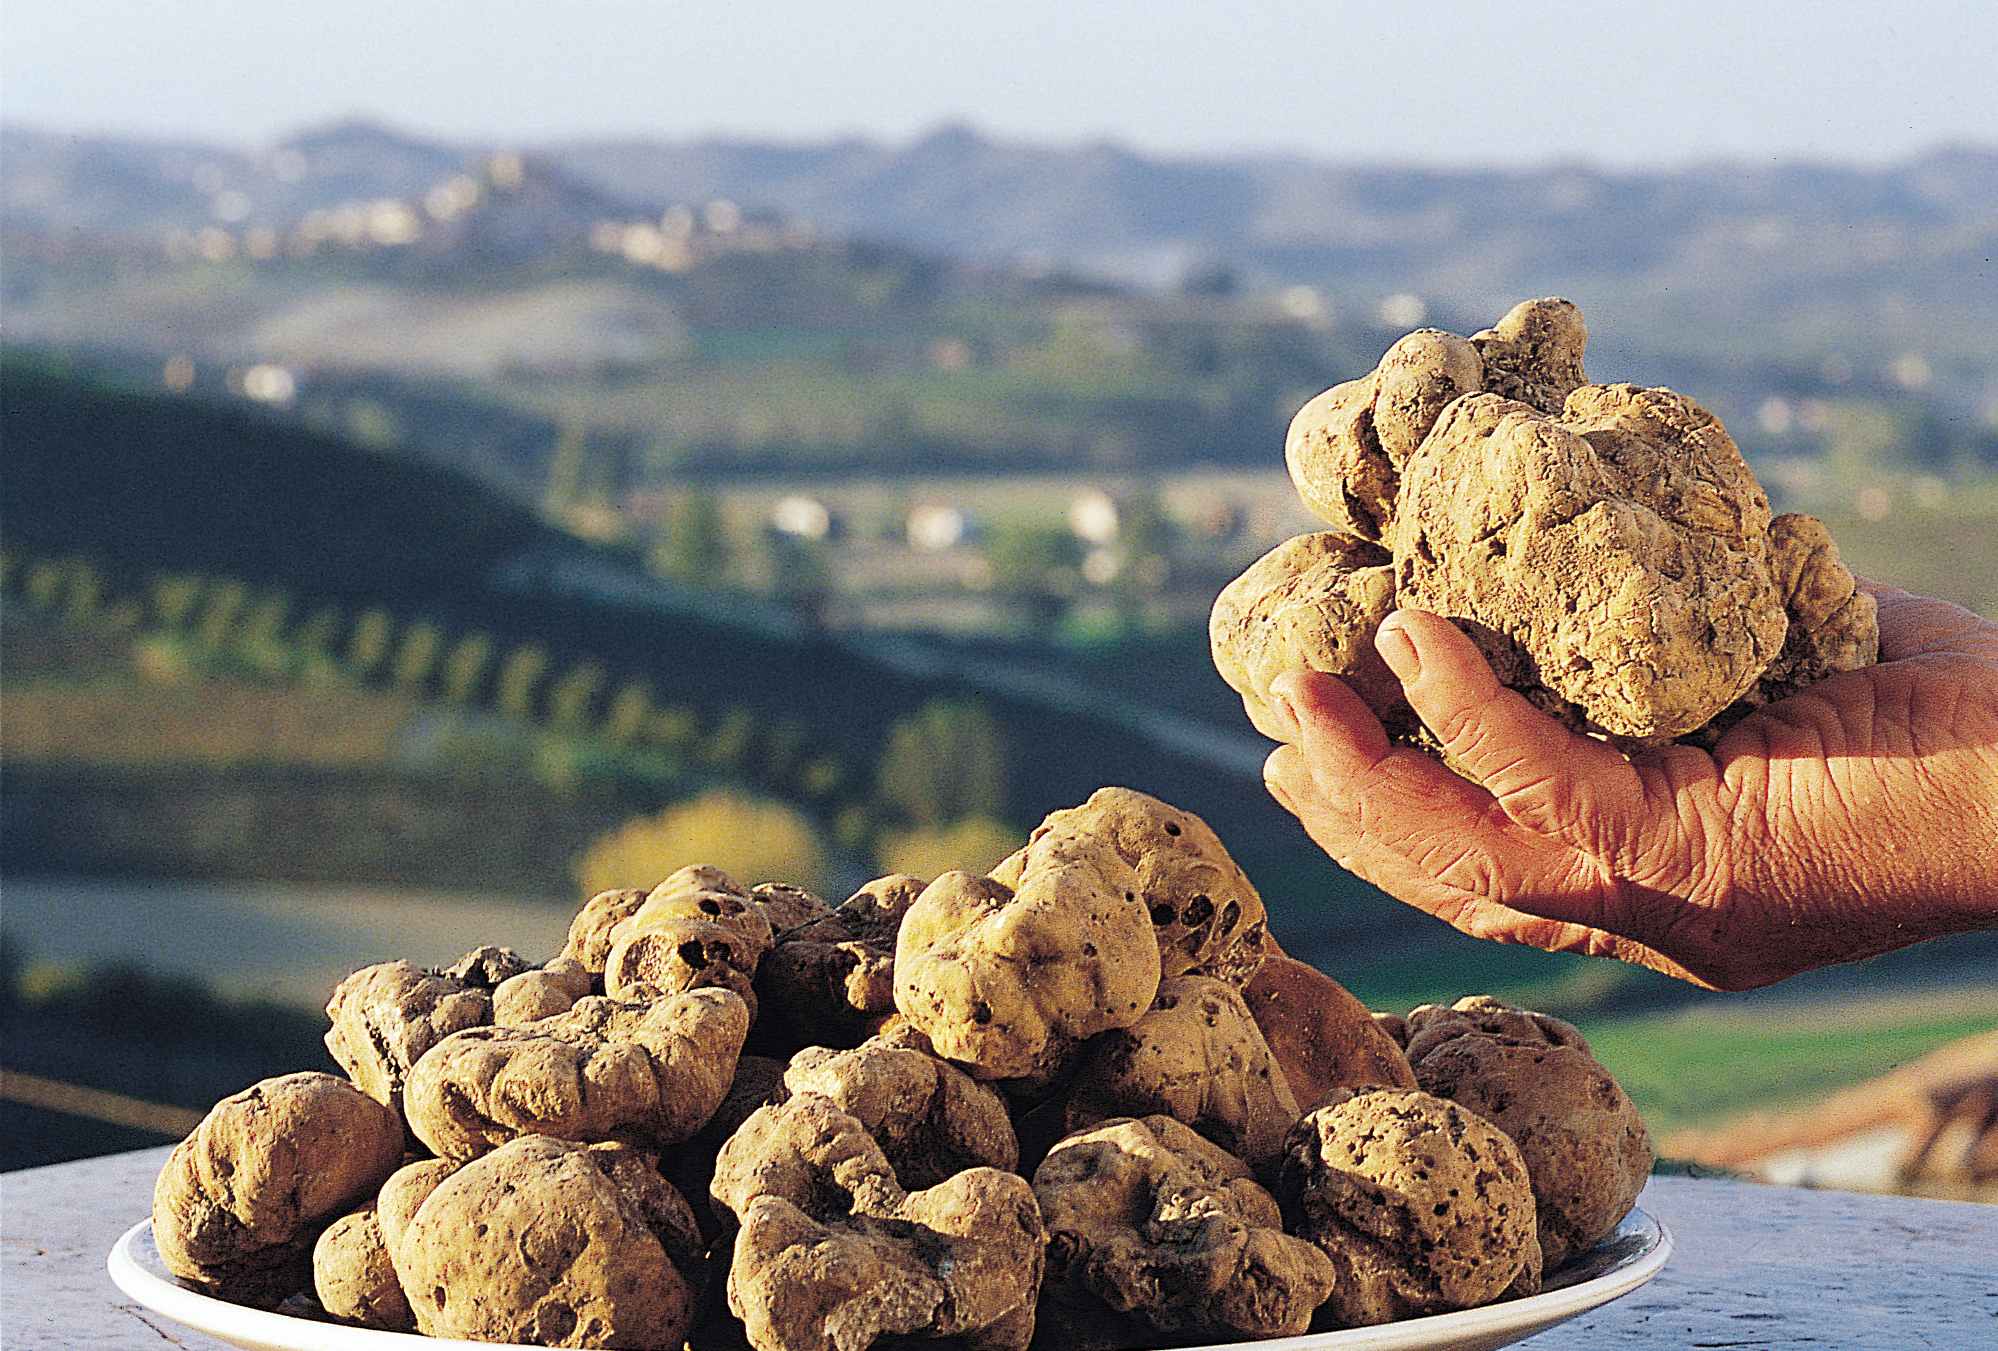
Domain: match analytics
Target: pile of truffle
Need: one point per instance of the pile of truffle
(1605, 546)
(1084, 1092)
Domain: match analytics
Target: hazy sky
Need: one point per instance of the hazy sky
(1438, 80)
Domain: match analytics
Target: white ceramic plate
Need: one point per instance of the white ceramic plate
(1615, 1267)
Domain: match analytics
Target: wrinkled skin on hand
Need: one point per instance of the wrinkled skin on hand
(833, 1254)
(1422, 1206)
(931, 1119)
(1147, 1218)
(1731, 868)
(553, 1243)
(650, 1074)
(1585, 1147)
(1198, 1057)
(1322, 1037)
(238, 1205)
(831, 980)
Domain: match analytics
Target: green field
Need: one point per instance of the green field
(1699, 1065)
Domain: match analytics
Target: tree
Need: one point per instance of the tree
(571, 698)
(1037, 567)
(751, 838)
(944, 763)
(465, 668)
(630, 709)
(368, 645)
(417, 657)
(694, 547)
(518, 677)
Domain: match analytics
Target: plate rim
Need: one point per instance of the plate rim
(1535, 1313)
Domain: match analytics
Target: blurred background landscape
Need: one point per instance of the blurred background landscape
(404, 533)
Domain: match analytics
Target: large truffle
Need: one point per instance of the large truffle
(1583, 1142)
(1149, 1220)
(1007, 983)
(386, 1016)
(1322, 1037)
(1345, 448)
(1422, 1206)
(1198, 1057)
(833, 1254)
(650, 1074)
(698, 929)
(553, 1243)
(1615, 557)
(1834, 626)
(931, 1119)
(1206, 915)
(831, 980)
(1311, 604)
(240, 1201)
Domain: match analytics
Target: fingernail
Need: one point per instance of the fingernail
(1397, 649)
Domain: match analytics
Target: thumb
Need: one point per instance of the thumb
(1544, 776)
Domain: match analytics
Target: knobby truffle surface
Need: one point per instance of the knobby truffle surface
(354, 1276)
(1150, 1220)
(1311, 604)
(1422, 1205)
(1205, 913)
(931, 1119)
(1196, 1056)
(698, 929)
(650, 1074)
(833, 1254)
(831, 980)
(1583, 1142)
(1615, 556)
(1322, 1037)
(238, 1205)
(553, 1243)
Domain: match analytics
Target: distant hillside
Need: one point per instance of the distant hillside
(153, 482)
(1851, 266)
(140, 483)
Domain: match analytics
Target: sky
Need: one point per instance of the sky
(1437, 81)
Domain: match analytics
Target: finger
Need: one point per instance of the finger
(1334, 831)
(1346, 736)
(1911, 625)
(1404, 800)
(1543, 775)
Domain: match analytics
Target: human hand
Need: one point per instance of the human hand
(1854, 817)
